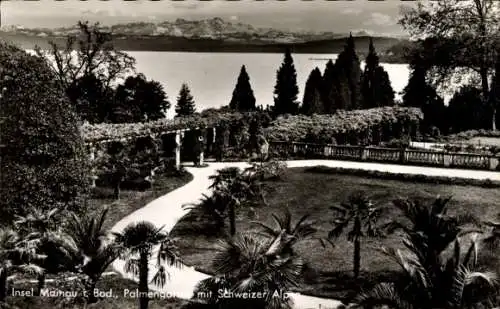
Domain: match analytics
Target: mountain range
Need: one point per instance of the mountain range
(206, 35)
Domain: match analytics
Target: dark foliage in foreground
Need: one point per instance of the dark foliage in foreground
(43, 161)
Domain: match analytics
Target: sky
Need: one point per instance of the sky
(378, 17)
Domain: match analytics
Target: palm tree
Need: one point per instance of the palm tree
(248, 263)
(361, 216)
(138, 241)
(38, 226)
(90, 247)
(493, 239)
(16, 255)
(454, 283)
(430, 229)
(214, 206)
(283, 229)
(237, 187)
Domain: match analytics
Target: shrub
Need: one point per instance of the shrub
(353, 127)
(43, 160)
(272, 169)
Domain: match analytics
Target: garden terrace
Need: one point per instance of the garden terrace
(312, 191)
(370, 126)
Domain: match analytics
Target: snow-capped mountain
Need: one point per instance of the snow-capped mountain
(215, 28)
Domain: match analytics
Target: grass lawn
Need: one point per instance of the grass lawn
(306, 192)
(128, 203)
(130, 200)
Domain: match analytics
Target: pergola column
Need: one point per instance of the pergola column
(93, 176)
(178, 149)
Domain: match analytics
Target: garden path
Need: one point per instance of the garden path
(167, 210)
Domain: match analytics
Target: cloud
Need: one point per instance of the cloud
(352, 11)
(380, 19)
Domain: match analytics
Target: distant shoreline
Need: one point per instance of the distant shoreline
(175, 44)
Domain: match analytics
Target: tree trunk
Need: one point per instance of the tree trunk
(357, 256)
(143, 280)
(3, 285)
(116, 192)
(91, 283)
(232, 219)
(494, 119)
(40, 284)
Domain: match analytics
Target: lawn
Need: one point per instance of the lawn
(129, 202)
(306, 191)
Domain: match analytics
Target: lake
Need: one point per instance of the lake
(212, 76)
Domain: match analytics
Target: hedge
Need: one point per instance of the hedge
(369, 126)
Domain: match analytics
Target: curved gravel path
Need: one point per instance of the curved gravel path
(167, 210)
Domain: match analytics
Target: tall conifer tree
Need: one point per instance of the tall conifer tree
(185, 102)
(286, 89)
(348, 69)
(376, 89)
(419, 93)
(243, 98)
(312, 102)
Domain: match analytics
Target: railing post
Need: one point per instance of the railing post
(402, 155)
(447, 159)
(494, 161)
(364, 153)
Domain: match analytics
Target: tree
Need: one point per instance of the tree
(236, 188)
(90, 52)
(243, 98)
(430, 277)
(376, 89)
(251, 264)
(457, 37)
(39, 227)
(348, 77)
(286, 89)
(95, 250)
(419, 93)
(430, 230)
(185, 103)
(312, 102)
(43, 161)
(138, 241)
(143, 100)
(466, 110)
(495, 90)
(363, 216)
(92, 101)
(16, 255)
(329, 89)
(286, 234)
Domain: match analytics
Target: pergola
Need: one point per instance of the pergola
(93, 146)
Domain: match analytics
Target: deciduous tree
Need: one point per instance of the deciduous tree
(457, 37)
